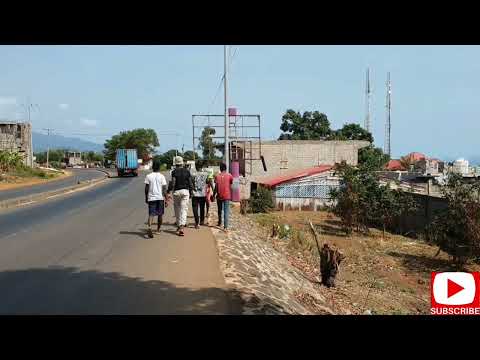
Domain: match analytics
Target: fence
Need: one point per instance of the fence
(310, 194)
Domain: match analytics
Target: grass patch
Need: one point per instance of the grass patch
(27, 172)
(266, 220)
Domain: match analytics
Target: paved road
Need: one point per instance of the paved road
(87, 253)
(78, 175)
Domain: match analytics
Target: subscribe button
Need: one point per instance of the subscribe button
(455, 293)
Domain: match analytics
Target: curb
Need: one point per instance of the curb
(108, 173)
(12, 203)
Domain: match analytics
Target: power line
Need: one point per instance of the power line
(230, 61)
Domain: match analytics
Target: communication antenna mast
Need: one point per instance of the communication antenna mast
(368, 93)
(388, 124)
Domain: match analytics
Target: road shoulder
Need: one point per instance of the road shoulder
(262, 278)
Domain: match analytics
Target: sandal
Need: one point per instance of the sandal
(150, 233)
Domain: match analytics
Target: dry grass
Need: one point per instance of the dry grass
(28, 177)
(385, 276)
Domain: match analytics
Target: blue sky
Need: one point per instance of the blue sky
(101, 90)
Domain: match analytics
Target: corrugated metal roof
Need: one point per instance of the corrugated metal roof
(394, 165)
(291, 175)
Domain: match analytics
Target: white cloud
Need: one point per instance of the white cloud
(89, 122)
(63, 106)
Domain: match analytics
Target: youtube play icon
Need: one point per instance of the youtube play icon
(455, 293)
(453, 288)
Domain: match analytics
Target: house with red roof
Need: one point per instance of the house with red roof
(395, 165)
(301, 189)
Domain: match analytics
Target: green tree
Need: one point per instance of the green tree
(361, 201)
(351, 132)
(206, 143)
(92, 156)
(167, 157)
(372, 158)
(456, 229)
(190, 155)
(144, 140)
(309, 126)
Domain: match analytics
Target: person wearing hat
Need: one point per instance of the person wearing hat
(182, 187)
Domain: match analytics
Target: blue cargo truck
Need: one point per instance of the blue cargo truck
(127, 162)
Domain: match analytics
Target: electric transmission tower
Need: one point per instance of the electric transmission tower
(368, 93)
(388, 124)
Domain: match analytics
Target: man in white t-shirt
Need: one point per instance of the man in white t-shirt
(155, 191)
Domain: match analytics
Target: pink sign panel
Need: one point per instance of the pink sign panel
(235, 167)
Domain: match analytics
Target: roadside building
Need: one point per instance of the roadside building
(304, 189)
(73, 158)
(429, 166)
(17, 136)
(283, 156)
(461, 166)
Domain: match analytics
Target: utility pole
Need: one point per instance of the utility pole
(388, 124)
(368, 93)
(28, 108)
(225, 85)
(48, 144)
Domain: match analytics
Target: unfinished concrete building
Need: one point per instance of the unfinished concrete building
(283, 156)
(17, 136)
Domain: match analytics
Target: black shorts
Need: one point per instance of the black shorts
(156, 208)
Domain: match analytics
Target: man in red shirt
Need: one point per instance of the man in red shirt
(223, 192)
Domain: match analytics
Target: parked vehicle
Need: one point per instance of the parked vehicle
(127, 162)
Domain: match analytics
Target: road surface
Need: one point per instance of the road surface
(78, 175)
(87, 253)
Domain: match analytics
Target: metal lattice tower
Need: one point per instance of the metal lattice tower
(388, 124)
(368, 92)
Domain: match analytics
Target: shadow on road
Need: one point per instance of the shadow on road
(143, 234)
(67, 290)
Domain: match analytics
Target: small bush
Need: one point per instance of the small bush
(285, 232)
(261, 200)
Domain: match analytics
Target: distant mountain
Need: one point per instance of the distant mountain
(41, 142)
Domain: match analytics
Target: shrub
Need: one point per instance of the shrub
(361, 201)
(284, 232)
(261, 200)
(456, 230)
(10, 160)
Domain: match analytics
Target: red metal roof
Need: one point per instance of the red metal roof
(291, 175)
(415, 156)
(394, 165)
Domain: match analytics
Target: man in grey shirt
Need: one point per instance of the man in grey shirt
(199, 197)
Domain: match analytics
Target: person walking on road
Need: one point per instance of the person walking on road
(223, 192)
(182, 188)
(199, 197)
(155, 191)
(209, 193)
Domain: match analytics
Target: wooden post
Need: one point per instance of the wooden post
(330, 259)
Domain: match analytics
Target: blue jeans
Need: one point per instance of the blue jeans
(225, 206)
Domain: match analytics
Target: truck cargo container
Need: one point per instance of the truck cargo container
(127, 162)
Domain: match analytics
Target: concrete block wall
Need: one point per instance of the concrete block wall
(285, 155)
(17, 137)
